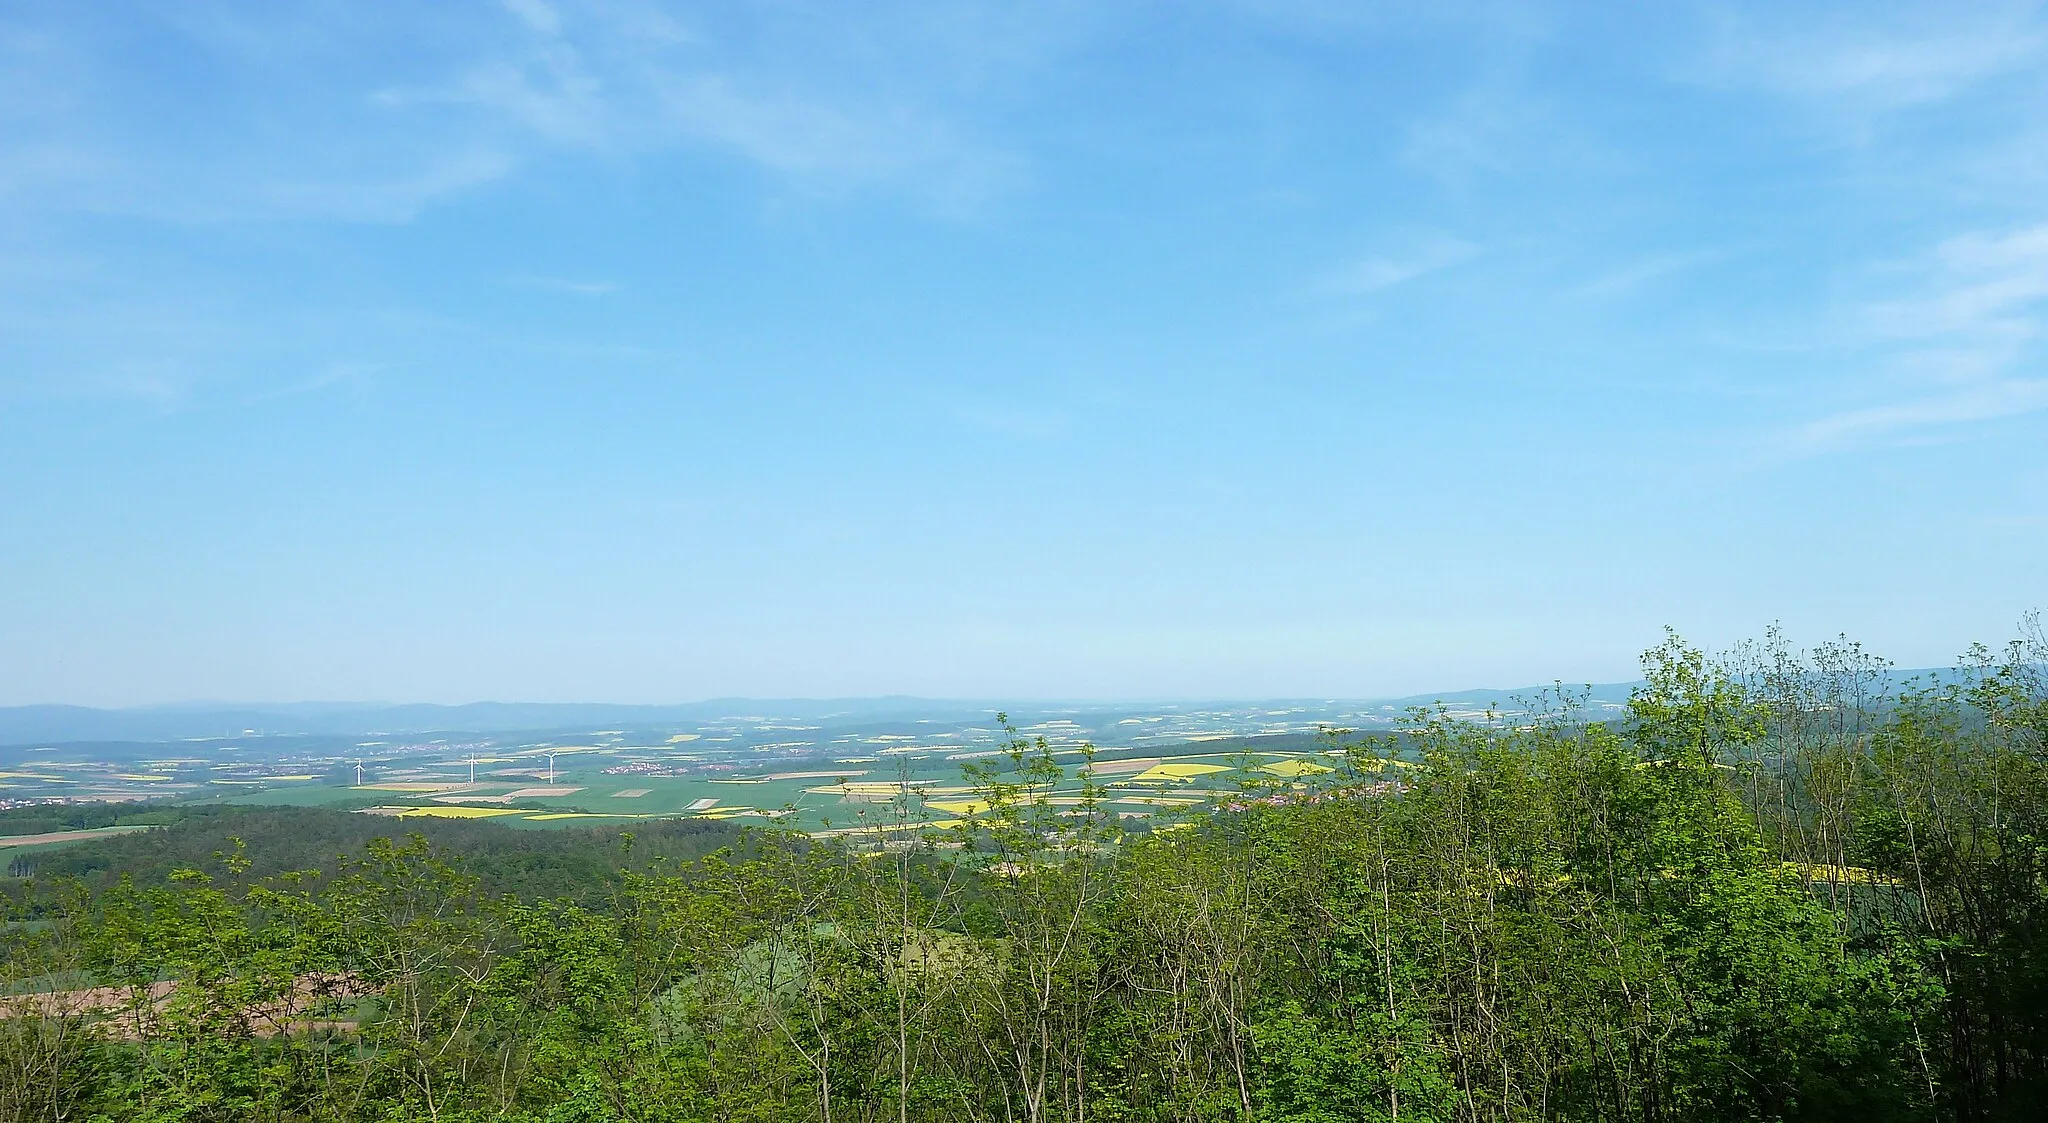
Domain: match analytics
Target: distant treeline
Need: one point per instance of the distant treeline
(579, 864)
(49, 818)
(1779, 888)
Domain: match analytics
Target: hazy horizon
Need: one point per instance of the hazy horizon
(1446, 690)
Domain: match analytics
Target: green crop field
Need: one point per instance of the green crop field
(847, 783)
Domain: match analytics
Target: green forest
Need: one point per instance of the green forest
(1782, 887)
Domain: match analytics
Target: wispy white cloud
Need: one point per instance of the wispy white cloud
(332, 375)
(474, 97)
(393, 196)
(1981, 292)
(1375, 273)
(1629, 277)
(1011, 419)
(278, 130)
(1959, 349)
(150, 383)
(565, 284)
(633, 78)
(548, 95)
(1473, 136)
(536, 14)
(823, 147)
(1990, 400)
(1871, 56)
(1950, 342)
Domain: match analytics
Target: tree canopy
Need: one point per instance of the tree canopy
(1771, 892)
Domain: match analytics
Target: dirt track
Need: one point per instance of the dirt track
(65, 836)
(132, 1014)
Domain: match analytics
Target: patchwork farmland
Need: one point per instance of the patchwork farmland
(809, 773)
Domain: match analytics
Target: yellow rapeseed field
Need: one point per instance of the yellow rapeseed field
(1178, 771)
(1295, 769)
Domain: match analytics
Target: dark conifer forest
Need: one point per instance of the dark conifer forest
(1781, 887)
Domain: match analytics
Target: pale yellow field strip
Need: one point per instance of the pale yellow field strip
(630, 793)
(1294, 769)
(879, 787)
(551, 816)
(815, 775)
(542, 792)
(705, 804)
(1179, 771)
(1139, 764)
(65, 836)
(885, 828)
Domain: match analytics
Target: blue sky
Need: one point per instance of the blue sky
(639, 352)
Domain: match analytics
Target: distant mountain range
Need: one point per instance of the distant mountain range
(20, 725)
(192, 720)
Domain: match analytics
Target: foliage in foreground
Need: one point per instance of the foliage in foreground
(1765, 895)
